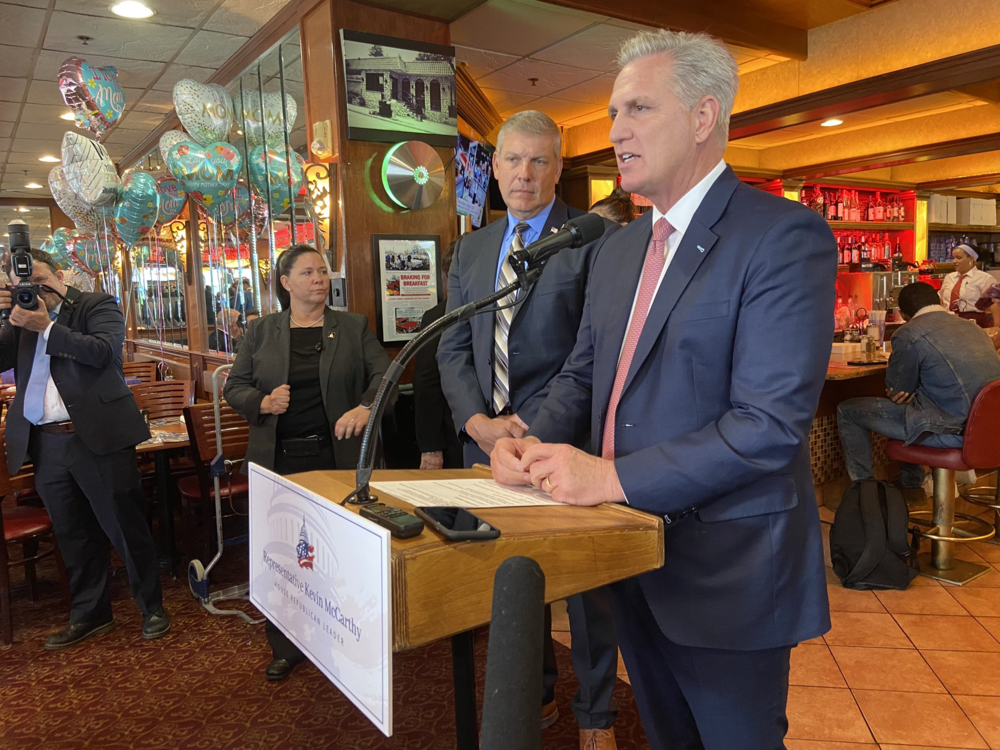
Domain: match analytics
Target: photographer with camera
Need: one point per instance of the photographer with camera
(76, 419)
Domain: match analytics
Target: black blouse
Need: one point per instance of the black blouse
(305, 415)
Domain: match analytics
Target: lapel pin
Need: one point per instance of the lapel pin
(554, 230)
(701, 249)
(331, 335)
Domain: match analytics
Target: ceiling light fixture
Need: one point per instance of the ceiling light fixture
(24, 210)
(49, 159)
(132, 9)
(33, 186)
(831, 123)
(67, 116)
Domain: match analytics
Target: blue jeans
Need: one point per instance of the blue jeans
(856, 416)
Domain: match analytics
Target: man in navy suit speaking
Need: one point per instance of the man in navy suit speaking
(697, 369)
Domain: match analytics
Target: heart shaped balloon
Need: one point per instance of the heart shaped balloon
(82, 250)
(235, 205)
(206, 173)
(92, 93)
(172, 197)
(57, 247)
(135, 212)
(170, 139)
(89, 170)
(271, 171)
(205, 110)
(261, 117)
(66, 199)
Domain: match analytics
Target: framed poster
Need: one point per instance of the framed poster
(473, 165)
(406, 277)
(399, 89)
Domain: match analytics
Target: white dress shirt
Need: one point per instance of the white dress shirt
(53, 410)
(679, 217)
(973, 288)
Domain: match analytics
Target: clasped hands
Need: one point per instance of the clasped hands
(567, 474)
(351, 423)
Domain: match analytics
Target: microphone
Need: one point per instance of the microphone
(574, 233)
(514, 663)
(319, 346)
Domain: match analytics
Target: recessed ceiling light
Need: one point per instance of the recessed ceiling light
(132, 9)
(67, 116)
(24, 210)
(831, 123)
(33, 186)
(49, 159)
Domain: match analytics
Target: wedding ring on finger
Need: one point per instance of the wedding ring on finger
(549, 487)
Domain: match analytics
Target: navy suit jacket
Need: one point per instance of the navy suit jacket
(716, 412)
(542, 332)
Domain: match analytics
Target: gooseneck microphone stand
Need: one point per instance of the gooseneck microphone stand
(528, 269)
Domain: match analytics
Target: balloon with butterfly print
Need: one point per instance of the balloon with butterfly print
(206, 173)
(137, 207)
(270, 170)
(172, 198)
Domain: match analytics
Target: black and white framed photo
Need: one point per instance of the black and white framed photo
(399, 90)
(406, 277)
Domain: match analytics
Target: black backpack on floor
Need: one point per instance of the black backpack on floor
(869, 548)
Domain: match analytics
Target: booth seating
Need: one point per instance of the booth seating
(28, 526)
(980, 450)
(197, 490)
(145, 371)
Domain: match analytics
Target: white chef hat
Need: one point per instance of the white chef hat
(969, 251)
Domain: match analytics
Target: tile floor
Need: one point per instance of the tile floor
(899, 670)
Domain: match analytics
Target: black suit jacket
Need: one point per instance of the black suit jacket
(434, 427)
(542, 333)
(85, 346)
(351, 367)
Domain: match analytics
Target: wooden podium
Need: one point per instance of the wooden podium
(444, 589)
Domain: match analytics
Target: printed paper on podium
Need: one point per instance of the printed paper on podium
(463, 493)
(321, 574)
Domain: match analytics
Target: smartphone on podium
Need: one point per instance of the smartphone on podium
(457, 524)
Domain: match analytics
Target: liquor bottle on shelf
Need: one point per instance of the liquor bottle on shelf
(870, 210)
(863, 255)
(831, 208)
(840, 206)
(900, 211)
(855, 253)
(845, 253)
(879, 207)
(886, 247)
(855, 208)
(897, 258)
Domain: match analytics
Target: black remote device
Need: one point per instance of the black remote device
(401, 524)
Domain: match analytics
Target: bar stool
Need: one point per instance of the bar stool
(980, 450)
(987, 496)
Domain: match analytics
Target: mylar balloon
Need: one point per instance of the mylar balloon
(234, 205)
(135, 212)
(269, 171)
(170, 139)
(83, 251)
(57, 248)
(205, 110)
(89, 170)
(66, 199)
(93, 94)
(206, 173)
(172, 197)
(267, 120)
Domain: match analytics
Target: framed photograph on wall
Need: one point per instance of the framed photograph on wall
(406, 278)
(399, 89)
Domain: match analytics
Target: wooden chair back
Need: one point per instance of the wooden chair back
(200, 419)
(164, 398)
(23, 480)
(145, 371)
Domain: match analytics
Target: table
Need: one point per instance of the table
(169, 436)
(579, 549)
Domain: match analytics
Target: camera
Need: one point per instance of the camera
(24, 293)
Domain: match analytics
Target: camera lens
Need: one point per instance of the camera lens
(26, 299)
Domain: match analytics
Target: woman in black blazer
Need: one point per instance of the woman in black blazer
(304, 379)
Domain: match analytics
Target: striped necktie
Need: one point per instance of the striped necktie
(501, 374)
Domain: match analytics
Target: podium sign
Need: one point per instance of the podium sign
(321, 574)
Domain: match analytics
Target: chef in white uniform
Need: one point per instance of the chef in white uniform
(966, 285)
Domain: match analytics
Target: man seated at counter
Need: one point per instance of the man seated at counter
(966, 285)
(938, 365)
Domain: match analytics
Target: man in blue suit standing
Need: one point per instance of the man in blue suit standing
(494, 367)
(701, 354)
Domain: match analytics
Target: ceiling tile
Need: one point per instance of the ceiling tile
(16, 60)
(596, 91)
(36, 130)
(6, 129)
(558, 109)
(210, 49)
(9, 110)
(155, 101)
(21, 26)
(34, 146)
(141, 121)
(175, 73)
(481, 62)
(595, 48)
(244, 17)
(12, 89)
(583, 119)
(550, 77)
(30, 160)
(45, 114)
(46, 92)
(120, 136)
(136, 74)
(504, 100)
(516, 28)
(188, 13)
(113, 37)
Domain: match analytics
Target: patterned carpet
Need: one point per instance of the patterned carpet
(202, 686)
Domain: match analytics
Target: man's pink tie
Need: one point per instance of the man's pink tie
(651, 270)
